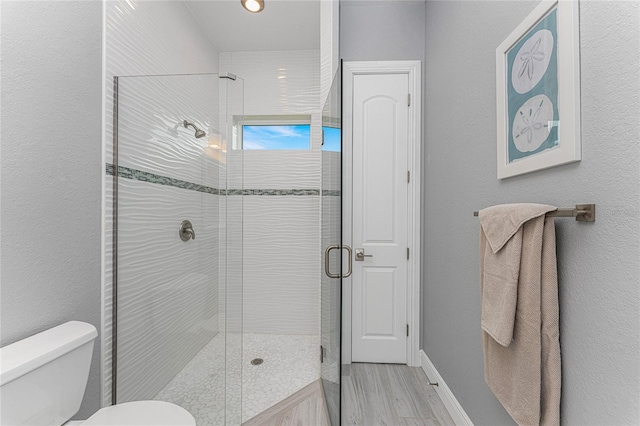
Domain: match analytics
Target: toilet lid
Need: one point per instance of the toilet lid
(142, 413)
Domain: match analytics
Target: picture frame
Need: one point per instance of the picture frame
(538, 91)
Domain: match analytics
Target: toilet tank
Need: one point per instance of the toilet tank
(43, 377)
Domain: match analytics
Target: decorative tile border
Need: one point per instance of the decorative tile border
(134, 174)
(297, 192)
(331, 193)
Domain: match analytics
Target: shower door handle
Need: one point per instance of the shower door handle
(326, 261)
(350, 262)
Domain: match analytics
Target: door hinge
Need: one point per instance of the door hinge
(408, 176)
(321, 354)
(407, 253)
(407, 330)
(409, 99)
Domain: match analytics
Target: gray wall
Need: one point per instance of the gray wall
(51, 170)
(598, 263)
(382, 30)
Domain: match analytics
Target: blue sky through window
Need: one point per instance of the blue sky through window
(257, 137)
(331, 139)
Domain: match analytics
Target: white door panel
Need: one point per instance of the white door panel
(379, 168)
(378, 291)
(380, 132)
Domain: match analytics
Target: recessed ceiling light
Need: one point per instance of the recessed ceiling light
(253, 6)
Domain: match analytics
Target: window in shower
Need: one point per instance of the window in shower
(287, 132)
(331, 138)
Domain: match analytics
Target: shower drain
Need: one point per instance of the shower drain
(257, 361)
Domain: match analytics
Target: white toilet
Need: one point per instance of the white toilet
(43, 379)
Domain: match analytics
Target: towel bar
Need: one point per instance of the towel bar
(582, 212)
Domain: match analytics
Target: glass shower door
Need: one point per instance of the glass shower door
(177, 283)
(331, 240)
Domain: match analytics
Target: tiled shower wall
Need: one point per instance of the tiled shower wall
(164, 274)
(281, 241)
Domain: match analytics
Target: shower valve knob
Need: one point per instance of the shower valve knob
(186, 231)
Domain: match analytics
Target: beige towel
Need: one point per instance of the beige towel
(520, 315)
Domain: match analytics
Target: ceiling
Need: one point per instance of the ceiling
(282, 25)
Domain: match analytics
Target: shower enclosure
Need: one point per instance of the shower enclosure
(183, 321)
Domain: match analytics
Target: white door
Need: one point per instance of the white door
(380, 166)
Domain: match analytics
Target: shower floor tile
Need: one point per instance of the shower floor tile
(290, 362)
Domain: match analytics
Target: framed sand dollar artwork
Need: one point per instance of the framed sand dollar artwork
(538, 91)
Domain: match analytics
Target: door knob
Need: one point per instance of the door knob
(360, 255)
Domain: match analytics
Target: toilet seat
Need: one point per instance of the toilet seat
(141, 413)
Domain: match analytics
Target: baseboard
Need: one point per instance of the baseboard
(449, 400)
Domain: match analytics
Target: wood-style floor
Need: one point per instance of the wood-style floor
(372, 395)
(389, 395)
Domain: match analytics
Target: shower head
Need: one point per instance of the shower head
(199, 132)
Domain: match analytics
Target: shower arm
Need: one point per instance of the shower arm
(199, 132)
(186, 123)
